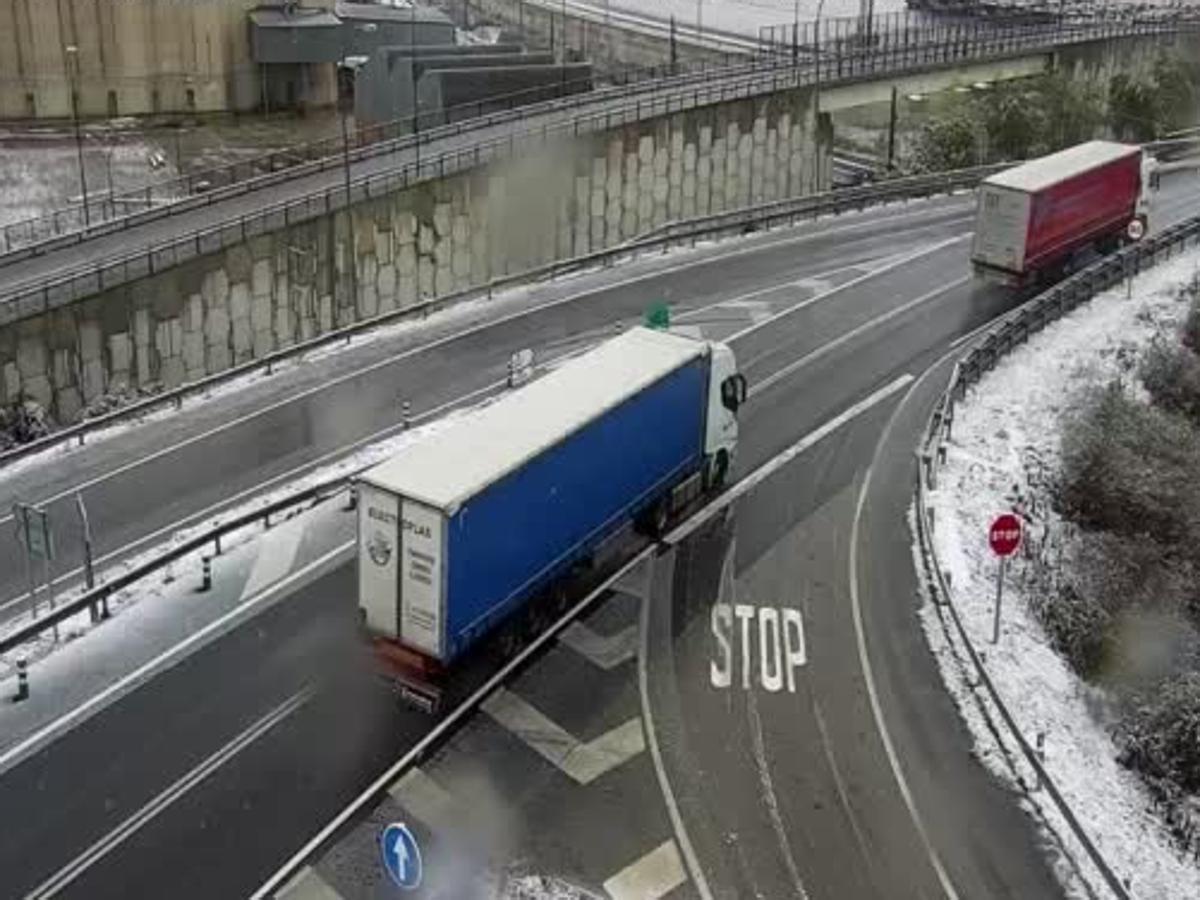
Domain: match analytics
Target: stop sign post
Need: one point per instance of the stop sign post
(1004, 537)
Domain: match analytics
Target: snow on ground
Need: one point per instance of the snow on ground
(153, 585)
(1008, 423)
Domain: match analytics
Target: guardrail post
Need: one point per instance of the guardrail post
(206, 574)
(22, 680)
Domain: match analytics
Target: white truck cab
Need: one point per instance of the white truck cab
(1145, 201)
(726, 394)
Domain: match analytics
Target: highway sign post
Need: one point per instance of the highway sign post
(34, 534)
(401, 856)
(1004, 537)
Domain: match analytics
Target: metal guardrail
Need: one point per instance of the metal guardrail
(713, 225)
(912, 48)
(98, 597)
(40, 296)
(1013, 330)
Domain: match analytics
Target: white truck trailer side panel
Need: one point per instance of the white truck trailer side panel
(1001, 227)
(378, 557)
(421, 582)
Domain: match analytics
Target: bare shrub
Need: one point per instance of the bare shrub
(1172, 376)
(1160, 734)
(1130, 469)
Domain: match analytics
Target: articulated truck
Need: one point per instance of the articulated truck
(473, 527)
(1033, 219)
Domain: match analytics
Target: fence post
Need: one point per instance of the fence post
(22, 680)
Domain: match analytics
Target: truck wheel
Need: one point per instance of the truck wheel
(653, 521)
(719, 471)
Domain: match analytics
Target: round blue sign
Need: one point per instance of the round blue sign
(401, 856)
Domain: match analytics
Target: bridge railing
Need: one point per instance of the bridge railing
(1008, 333)
(893, 37)
(152, 200)
(40, 295)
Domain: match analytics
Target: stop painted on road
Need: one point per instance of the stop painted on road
(763, 644)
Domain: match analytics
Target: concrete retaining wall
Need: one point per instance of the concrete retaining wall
(428, 240)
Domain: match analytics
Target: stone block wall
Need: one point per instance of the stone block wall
(431, 239)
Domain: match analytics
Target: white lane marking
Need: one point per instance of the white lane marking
(331, 560)
(605, 651)
(584, 762)
(651, 877)
(740, 301)
(682, 838)
(308, 885)
(838, 782)
(868, 673)
(425, 799)
(781, 459)
(709, 258)
(277, 551)
(134, 823)
(829, 346)
(853, 282)
(770, 800)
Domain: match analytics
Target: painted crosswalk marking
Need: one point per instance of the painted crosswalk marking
(308, 885)
(605, 651)
(582, 761)
(653, 876)
(425, 799)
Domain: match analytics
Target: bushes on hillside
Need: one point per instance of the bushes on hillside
(1130, 469)
(1125, 612)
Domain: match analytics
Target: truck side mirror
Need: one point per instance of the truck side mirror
(733, 392)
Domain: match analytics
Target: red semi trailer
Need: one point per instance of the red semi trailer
(1032, 219)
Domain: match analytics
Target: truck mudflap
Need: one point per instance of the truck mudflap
(416, 678)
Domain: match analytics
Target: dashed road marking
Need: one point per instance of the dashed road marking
(653, 876)
(584, 762)
(308, 885)
(605, 651)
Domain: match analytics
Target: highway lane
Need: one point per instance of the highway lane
(267, 783)
(269, 767)
(153, 479)
(149, 480)
(127, 790)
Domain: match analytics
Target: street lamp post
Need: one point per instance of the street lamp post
(73, 57)
(366, 28)
(817, 83)
(796, 35)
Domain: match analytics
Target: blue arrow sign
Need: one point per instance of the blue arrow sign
(401, 856)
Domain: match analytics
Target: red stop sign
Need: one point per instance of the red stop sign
(1005, 535)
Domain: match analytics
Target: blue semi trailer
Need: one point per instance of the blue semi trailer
(463, 529)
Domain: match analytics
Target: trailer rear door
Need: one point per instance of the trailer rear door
(1001, 225)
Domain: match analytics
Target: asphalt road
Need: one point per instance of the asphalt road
(334, 728)
(149, 481)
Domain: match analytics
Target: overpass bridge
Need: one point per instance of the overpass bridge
(193, 287)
